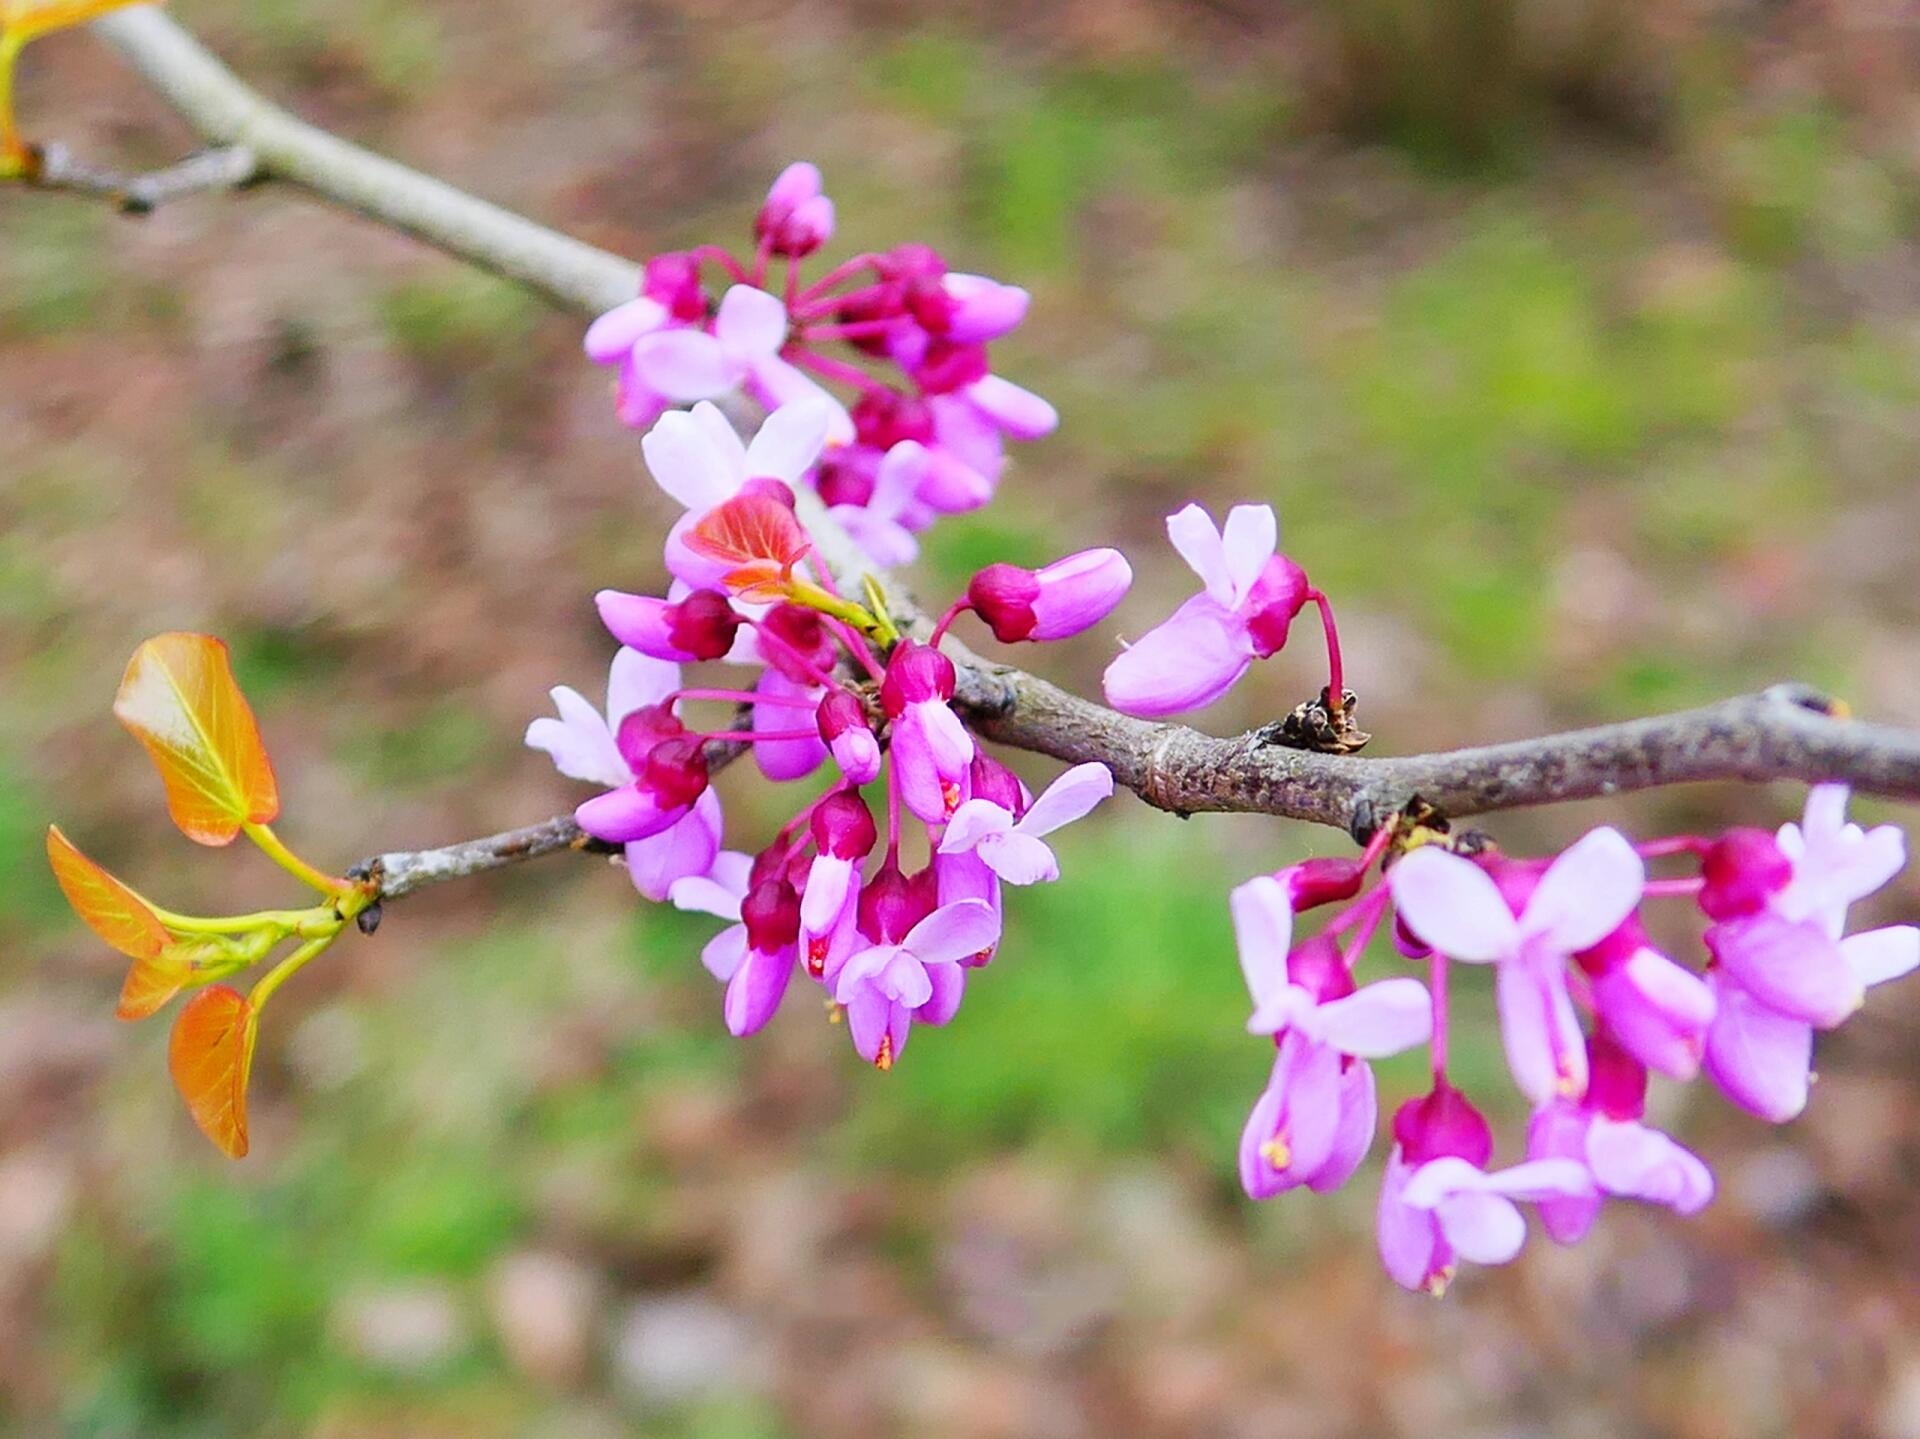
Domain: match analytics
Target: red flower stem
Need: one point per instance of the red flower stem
(715, 255)
(1370, 909)
(1357, 911)
(1382, 836)
(741, 697)
(954, 611)
(1672, 888)
(1673, 844)
(793, 282)
(1437, 988)
(857, 646)
(1336, 675)
(831, 369)
(762, 254)
(852, 330)
(839, 275)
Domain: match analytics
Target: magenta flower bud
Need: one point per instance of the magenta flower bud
(932, 308)
(1314, 882)
(1442, 1123)
(884, 301)
(700, 627)
(993, 782)
(845, 480)
(802, 630)
(916, 674)
(676, 771)
(797, 218)
(771, 913)
(673, 281)
(642, 730)
(948, 366)
(1276, 597)
(890, 905)
(843, 827)
(1062, 599)
(1616, 1081)
(884, 417)
(1316, 966)
(1742, 869)
(842, 721)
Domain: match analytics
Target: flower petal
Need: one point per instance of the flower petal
(687, 464)
(1484, 1228)
(1636, 1162)
(1451, 904)
(973, 822)
(1377, 1020)
(1586, 893)
(1190, 659)
(1540, 1031)
(1795, 969)
(756, 989)
(683, 851)
(684, 365)
(1247, 541)
(1201, 545)
(725, 952)
(636, 680)
(789, 441)
(1263, 933)
(953, 932)
(581, 745)
(611, 338)
(1762, 1059)
(1878, 955)
(1020, 858)
(1070, 796)
(750, 323)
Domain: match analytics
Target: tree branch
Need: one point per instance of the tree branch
(1788, 732)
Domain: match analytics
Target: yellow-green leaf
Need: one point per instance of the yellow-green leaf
(30, 19)
(180, 700)
(209, 1055)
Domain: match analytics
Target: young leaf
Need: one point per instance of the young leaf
(179, 699)
(106, 906)
(209, 1056)
(759, 536)
(30, 19)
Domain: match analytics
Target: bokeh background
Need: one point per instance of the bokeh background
(1578, 344)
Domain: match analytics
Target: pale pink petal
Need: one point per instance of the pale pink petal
(778, 384)
(1546, 1051)
(1878, 955)
(1199, 543)
(1762, 1059)
(1247, 541)
(1263, 933)
(1018, 412)
(706, 894)
(1539, 1179)
(953, 931)
(986, 309)
(687, 464)
(1071, 795)
(1636, 1162)
(625, 814)
(905, 979)
(789, 441)
(786, 759)
(1439, 1179)
(755, 989)
(581, 745)
(635, 681)
(887, 543)
(1410, 1244)
(751, 323)
(1019, 858)
(610, 338)
(725, 952)
(948, 983)
(1359, 1114)
(685, 365)
(1377, 1020)
(829, 881)
(724, 438)
(871, 1019)
(689, 848)
(1187, 661)
(973, 822)
(1483, 1228)
(861, 969)
(1586, 893)
(1559, 1131)
(1795, 969)
(1451, 904)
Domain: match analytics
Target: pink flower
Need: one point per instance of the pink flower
(702, 625)
(1062, 599)
(749, 331)
(843, 834)
(883, 985)
(755, 956)
(583, 745)
(1438, 1203)
(1587, 893)
(1013, 848)
(880, 524)
(670, 298)
(842, 721)
(931, 748)
(1658, 1011)
(1252, 594)
(1315, 1119)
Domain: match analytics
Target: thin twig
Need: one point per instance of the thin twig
(223, 167)
(1787, 732)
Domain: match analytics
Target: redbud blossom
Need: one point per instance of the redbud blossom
(797, 218)
(1062, 599)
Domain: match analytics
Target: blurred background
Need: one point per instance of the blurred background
(1578, 344)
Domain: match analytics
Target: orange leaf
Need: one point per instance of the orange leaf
(759, 536)
(209, 1056)
(180, 700)
(108, 907)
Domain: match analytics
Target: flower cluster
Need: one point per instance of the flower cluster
(925, 433)
(829, 684)
(1564, 938)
